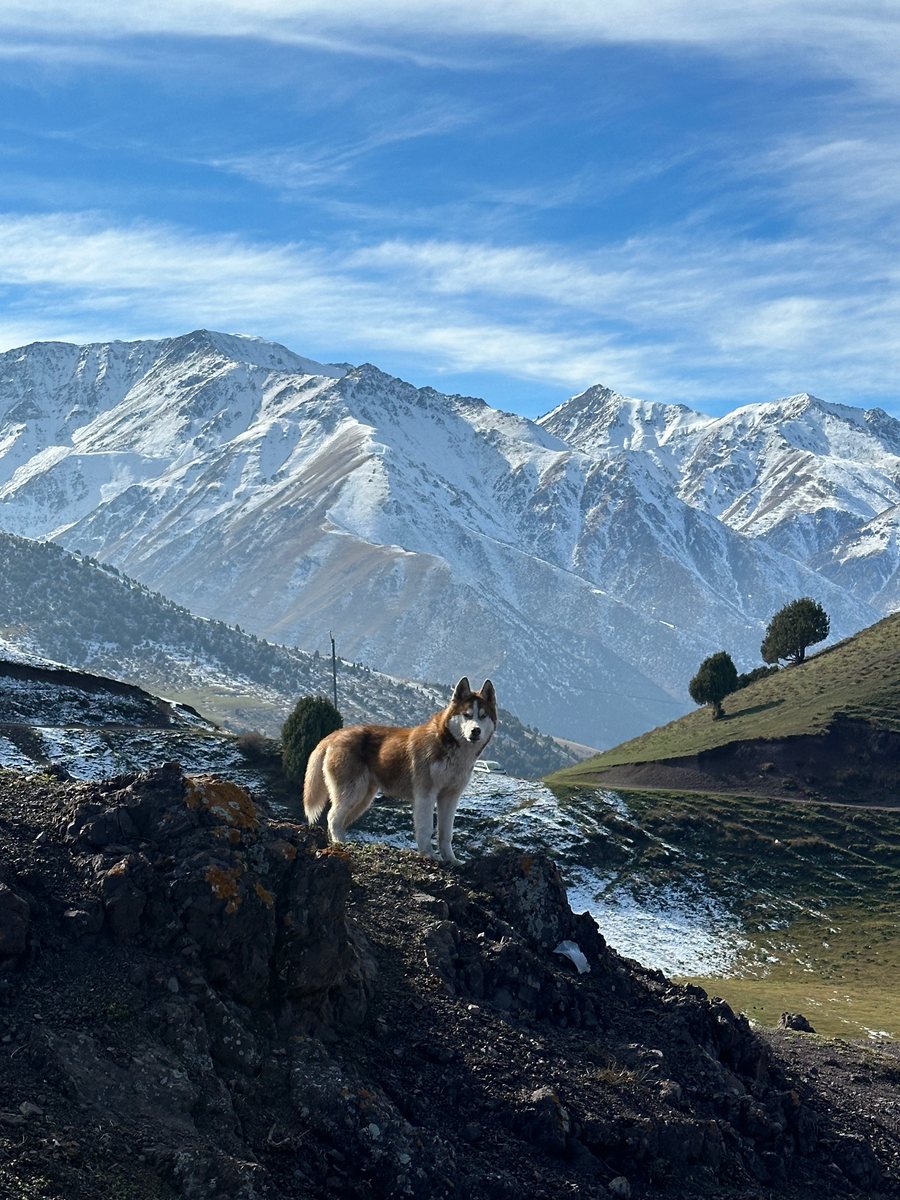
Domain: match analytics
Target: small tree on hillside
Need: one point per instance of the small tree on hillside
(716, 679)
(313, 718)
(799, 624)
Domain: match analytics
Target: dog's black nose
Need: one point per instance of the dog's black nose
(474, 735)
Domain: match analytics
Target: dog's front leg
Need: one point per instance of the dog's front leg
(446, 811)
(423, 823)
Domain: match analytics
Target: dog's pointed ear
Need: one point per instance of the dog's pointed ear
(487, 692)
(461, 691)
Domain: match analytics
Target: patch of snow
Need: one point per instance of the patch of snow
(679, 930)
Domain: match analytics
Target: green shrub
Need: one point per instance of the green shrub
(313, 718)
(751, 676)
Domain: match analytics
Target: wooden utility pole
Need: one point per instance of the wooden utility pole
(333, 667)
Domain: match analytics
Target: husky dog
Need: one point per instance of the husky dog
(430, 765)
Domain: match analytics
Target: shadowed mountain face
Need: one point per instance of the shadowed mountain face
(586, 563)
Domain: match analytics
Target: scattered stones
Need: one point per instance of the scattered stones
(211, 1012)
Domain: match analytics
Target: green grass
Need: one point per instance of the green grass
(840, 972)
(233, 710)
(858, 679)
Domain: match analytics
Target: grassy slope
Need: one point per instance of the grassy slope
(816, 891)
(858, 678)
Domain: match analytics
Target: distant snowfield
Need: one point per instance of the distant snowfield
(678, 929)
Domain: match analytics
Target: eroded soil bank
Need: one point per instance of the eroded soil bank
(198, 1000)
(851, 763)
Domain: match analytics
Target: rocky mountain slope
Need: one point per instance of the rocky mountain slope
(586, 563)
(58, 606)
(197, 1001)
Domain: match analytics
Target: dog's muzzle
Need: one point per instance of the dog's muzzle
(474, 735)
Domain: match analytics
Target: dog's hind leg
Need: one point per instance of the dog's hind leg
(349, 802)
(446, 811)
(423, 823)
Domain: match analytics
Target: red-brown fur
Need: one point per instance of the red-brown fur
(429, 764)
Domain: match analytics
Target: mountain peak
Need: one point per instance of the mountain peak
(600, 420)
(255, 351)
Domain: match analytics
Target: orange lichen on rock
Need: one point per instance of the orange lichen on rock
(337, 852)
(283, 850)
(265, 896)
(223, 799)
(224, 883)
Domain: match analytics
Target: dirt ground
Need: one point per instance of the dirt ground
(853, 763)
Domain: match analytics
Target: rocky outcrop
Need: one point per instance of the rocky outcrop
(190, 1008)
(191, 864)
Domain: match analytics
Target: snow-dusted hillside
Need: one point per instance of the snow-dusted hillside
(586, 563)
(56, 607)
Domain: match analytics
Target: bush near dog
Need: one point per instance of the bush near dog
(313, 718)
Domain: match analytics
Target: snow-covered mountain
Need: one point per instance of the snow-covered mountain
(799, 474)
(586, 562)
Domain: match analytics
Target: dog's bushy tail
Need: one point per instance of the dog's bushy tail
(315, 791)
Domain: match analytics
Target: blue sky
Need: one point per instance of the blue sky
(691, 201)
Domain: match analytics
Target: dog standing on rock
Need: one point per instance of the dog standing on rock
(430, 765)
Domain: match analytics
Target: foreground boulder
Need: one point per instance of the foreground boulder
(191, 864)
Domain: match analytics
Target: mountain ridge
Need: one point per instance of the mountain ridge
(426, 530)
(58, 609)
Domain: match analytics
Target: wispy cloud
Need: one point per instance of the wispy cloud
(310, 166)
(740, 321)
(852, 38)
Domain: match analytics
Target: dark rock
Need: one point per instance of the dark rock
(123, 897)
(263, 916)
(430, 904)
(531, 892)
(98, 825)
(14, 918)
(86, 921)
(546, 1122)
(441, 947)
(855, 1158)
(795, 1021)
